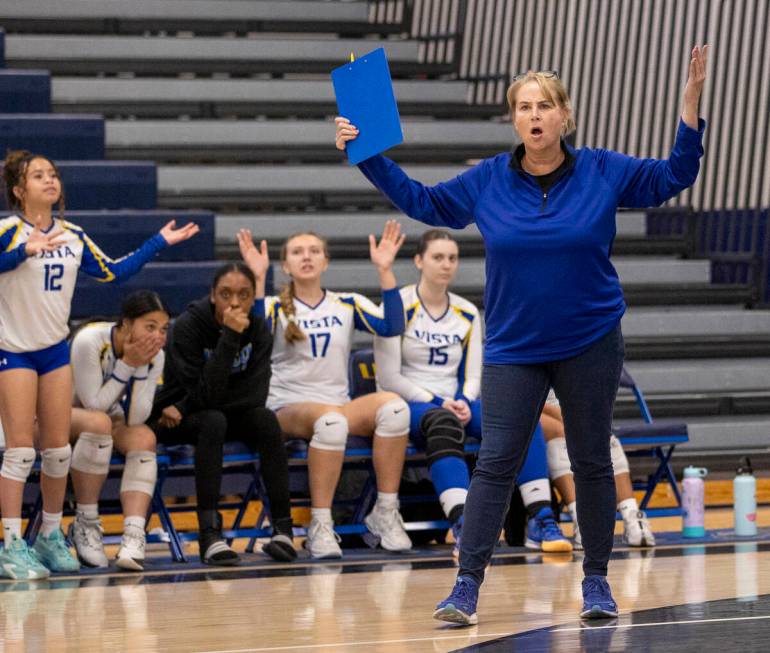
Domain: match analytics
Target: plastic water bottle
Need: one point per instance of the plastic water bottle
(745, 499)
(693, 524)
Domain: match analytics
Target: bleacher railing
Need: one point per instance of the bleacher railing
(736, 242)
(438, 25)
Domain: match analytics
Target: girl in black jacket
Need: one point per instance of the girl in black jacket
(216, 378)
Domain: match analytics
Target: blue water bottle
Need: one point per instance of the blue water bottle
(745, 499)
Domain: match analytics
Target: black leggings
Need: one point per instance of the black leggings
(257, 428)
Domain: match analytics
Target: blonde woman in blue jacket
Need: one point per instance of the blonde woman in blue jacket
(553, 303)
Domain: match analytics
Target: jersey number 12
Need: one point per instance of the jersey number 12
(53, 274)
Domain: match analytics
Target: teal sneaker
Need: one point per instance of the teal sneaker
(53, 552)
(19, 563)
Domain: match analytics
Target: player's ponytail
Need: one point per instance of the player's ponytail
(292, 332)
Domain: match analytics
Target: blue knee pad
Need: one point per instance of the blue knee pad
(536, 463)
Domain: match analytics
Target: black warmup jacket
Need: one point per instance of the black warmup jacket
(209, 366)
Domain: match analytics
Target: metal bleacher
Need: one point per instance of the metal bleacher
(231, 101)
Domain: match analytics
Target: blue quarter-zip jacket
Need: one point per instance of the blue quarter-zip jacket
(551, 289)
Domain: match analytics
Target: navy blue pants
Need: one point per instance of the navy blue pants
(514, 395)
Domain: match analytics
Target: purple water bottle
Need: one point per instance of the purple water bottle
(693, 524)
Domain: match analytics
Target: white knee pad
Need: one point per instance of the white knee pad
(91, 453)
(140, 472)
(56, 461)
(558, 458)
(330, 432)
(619, 460)
(17, 463)
(392, 419)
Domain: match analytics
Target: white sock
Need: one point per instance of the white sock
(386, 501)
(88, 510)
(572, 507)
(537, 490)
(321, 514)
(134, 522)
(628, 507)
(51, 523)
(451, 498)
(11, 528)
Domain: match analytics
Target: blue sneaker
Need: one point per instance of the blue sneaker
(544, 534)
(597, 599)
(460, 606)
(54, 553)
(457, 534)
(18, 562)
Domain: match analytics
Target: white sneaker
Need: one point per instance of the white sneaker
(322, 541)
(131, 553)
(88, 537)
(387, 525)
(637, 531)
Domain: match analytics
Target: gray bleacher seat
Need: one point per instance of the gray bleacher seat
(696, 321)
(362, 275)
(249, 140)
(156, 55)
(702, 375)
(200, 16)
(247, 97)
(262, 186)
(351, 226)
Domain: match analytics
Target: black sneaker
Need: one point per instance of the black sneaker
(213, 548)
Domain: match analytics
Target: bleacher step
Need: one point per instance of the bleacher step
(170, 55)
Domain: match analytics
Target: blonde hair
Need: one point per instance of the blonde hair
(553, 90)
(293, 333)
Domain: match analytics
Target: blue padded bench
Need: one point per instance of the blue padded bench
(177, 284)
(108, 185)
(25, 91)
(76, 136)
(119, 232)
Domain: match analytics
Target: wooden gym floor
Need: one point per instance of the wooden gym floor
(681, 596)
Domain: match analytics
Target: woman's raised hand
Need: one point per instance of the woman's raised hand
(258, 260)
(345, 132)
(173, 236)
(384, 253)
(694, 87)
(40, 241)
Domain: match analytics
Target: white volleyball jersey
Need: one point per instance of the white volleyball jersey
(316, 369)
(36, 292)
(104, 382)
(435, 359)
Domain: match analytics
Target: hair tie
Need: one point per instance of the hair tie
(292, 319)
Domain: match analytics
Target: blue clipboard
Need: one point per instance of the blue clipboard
(364, 93)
